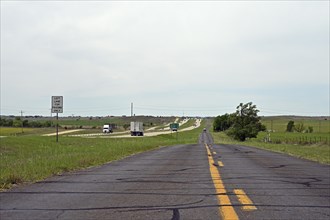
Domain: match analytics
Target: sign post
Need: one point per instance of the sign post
(57, 107)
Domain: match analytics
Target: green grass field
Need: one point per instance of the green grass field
(279, 123)
(312, 146)
(189, 123)
(31, 157)
(319, 152)
(5, 131)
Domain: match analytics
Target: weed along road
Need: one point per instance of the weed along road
(200, 181)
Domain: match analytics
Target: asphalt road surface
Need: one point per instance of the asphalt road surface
(201, 181)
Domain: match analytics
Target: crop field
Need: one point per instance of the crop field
(30, 157)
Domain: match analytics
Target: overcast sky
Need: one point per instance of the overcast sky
(168, 58)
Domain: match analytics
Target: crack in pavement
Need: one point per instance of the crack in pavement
(176, 214)
(276, 167)
(307, 183)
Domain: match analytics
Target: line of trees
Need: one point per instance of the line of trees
(18, 122)
(242, 124)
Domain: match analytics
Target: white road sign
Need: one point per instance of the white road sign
(57, 104)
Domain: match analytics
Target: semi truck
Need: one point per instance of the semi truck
(107, 128)
(136, 128)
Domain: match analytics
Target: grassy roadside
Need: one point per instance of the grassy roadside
(29, 158)
(315, 152)
(11, 131)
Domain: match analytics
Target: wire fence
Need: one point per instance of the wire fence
(302, 140)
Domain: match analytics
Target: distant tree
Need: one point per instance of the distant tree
(17, 123)
(299, 127)
(48, 124)
(290, 126)
(222, 123)
(35, 124)
(6, 122)
(25, 123)
(310, 129)
(246, 123)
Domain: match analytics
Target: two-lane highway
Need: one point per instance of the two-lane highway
(201, 181)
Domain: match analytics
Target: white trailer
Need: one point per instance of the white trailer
(136, 128)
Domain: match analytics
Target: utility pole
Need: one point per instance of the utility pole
(271, 125)
(132, 109)
(22, 119)
(56, 127)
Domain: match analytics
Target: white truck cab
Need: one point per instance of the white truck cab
(107, 128)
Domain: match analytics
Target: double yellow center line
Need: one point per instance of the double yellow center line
(226, 209)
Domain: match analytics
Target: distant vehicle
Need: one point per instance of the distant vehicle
(204, 129)
(107, 128)
(136, 128)
(174, 126)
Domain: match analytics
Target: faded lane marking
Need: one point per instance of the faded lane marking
(226, 209)
(244, 200)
